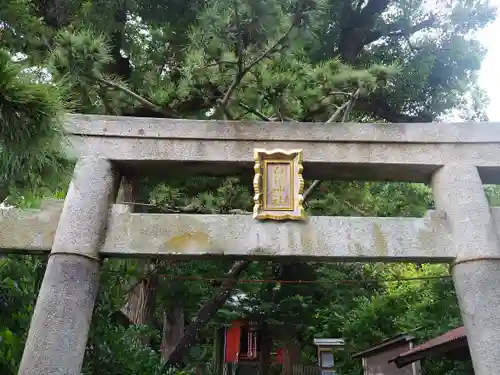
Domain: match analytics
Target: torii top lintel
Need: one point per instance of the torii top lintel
(384, 152)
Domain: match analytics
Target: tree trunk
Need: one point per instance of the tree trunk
(141, 301)
(173, 329)
(356, 26)
(207, 311)
(291, 354)
(140, 305)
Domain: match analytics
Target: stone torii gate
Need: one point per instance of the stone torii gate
(455, 158)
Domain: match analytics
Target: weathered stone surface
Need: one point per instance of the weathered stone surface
(403, 152)
(131, 235)
(85, 211)
(459, 193)
(62, 317)
(29, 230)
(59, 328)
(108, 126)
(188, 236)
(319, 238)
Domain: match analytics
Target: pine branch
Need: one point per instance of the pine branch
(337, 113)
(394, 30)
(378, 106)
(350, 105)
(254, 111)
(311, 188)
(242, 70)
(374, 7)
(346, 108)
(142, 100)
(191, 209)
(355, 208)
(270, 50)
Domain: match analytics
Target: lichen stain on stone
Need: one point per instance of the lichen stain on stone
(434, 226)
(425, 240)
(380, 241)
(239, 128)
(355, 248)
(437, 222)
(307, 238)
(188, 239)
(49, 236)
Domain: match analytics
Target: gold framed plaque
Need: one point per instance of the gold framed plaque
(278, 185)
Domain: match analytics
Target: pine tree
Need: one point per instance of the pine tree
(31, 157)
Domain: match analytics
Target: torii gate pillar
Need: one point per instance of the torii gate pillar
(59, 328)
(458, 191)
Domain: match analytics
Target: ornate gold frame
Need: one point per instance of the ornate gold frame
(264, 157)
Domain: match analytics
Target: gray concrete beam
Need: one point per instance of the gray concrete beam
(202, 236)
(393, 152)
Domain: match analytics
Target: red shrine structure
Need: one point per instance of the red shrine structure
(237, 351)
(242, 344)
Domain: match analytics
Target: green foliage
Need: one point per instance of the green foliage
(370, 199)
(203, 195)
(28, 109)
(117, 350)
(30, 136)
(19, 281)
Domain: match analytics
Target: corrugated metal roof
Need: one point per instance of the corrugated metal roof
(446, 338)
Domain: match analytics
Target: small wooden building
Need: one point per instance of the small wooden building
(377, 360)
(450, 345)
(326, 354)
